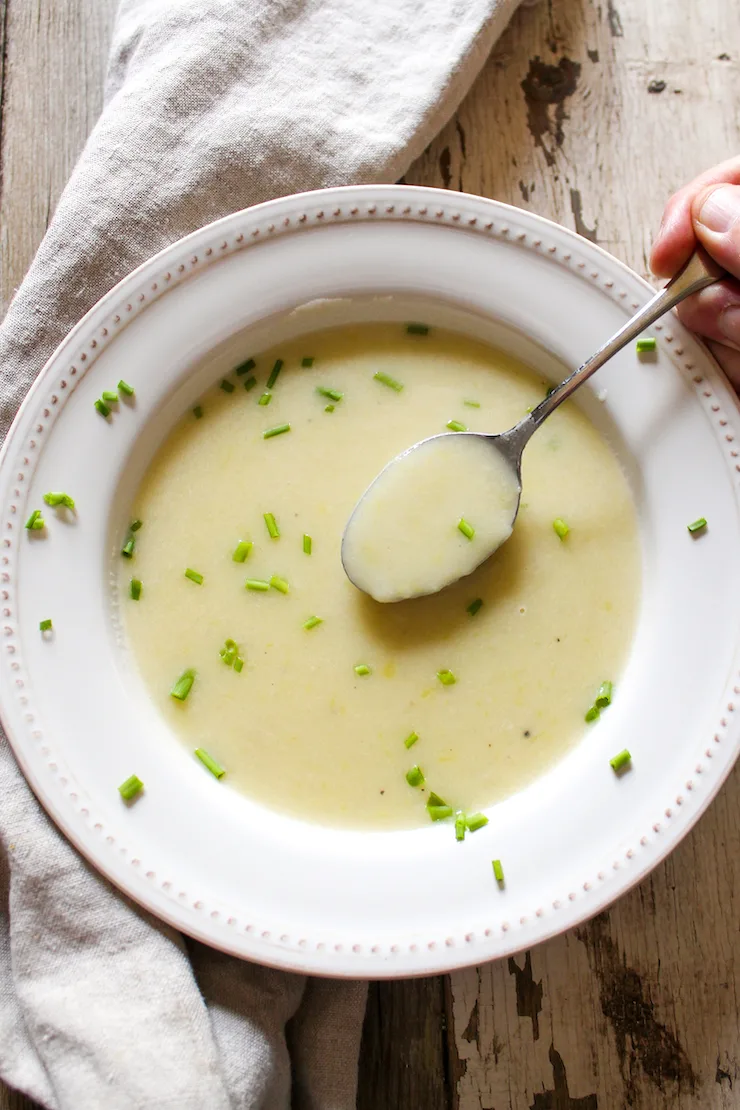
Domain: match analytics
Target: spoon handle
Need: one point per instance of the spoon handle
(699, 271)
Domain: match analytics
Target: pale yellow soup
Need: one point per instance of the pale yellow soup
(298, 730)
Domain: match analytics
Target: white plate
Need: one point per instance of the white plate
(197, 853)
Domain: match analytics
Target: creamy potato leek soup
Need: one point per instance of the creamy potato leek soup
(317, 700)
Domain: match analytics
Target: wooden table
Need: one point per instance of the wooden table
(590, 113)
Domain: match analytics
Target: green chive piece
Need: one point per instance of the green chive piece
(227, 386)
(238, 664)
(460, 827)
(411, 740)
(646, 343)
(561, 528)
(110, 397)
(197, 412)
(467, 529)
(59, 499)
(362, 669)
(386, 379)
(472, 404)
(279, 584)
(435, 800)
(257, 584)
(245, 367)
(208, 761)
(332, 394)
(312, 622)
(250, 383)
(456, 426)
(604, 696)
(438, 813)
(228, 656)
(35, 521)
(136, 589)
(329, 408)
(130, 788)
(102, 408)
(307, 361)
(231, 645)
(274, 373)
(241, 551)
(593, 714)
(126, 389)
(184, 685)
(135, 525)
(45, 626)
(415, 776)
(276, 431)
(446, 677)
(697, 525)
(620, 761)
(474, 606)
(272, 527)
(194, 576)
(307, 544)
(265, 399)
(417, 329)
(498, 871)
(128, 548)
(476, 821)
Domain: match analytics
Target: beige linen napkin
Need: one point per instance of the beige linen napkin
(212, 105)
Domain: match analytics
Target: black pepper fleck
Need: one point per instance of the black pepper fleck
(656, 86)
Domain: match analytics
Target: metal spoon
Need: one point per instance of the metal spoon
(699, 272)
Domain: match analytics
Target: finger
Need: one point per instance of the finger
(716, 217)
(729, 360)
(676, 239)
(714, 313)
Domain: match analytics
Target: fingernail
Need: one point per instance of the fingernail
(721, 209)
(729, 323)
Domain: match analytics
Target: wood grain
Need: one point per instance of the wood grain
(638, 1008)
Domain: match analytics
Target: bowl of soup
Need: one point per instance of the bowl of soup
(259, 751)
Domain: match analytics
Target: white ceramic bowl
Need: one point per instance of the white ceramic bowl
(197, 853)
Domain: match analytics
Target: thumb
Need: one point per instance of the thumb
(715, 213)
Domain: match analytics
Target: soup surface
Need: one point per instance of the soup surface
(522, 643)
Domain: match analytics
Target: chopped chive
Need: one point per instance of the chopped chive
(646, 343)
(274, 373)
(126, 389)
(620, 761)
(194, 576)
(184, 685)
(245, 367)
(417, 329)
(312, 622)
(35, 521)
(415, 776)
(498, 871)
(435, 800)
(472, 404)
(307, 544)
(135, 525)
(362, 669)
(238, 664)
(208, 761)
(136, 589)
(476, 821)
(265, 399)
(227, 386)
(59, 499)
(386, 379)
(446, 677)
(411, 740)
(276, 431)
(272, 527)
(455, 426)
(593, 714)
(128, 548)
(198, 412)
(438, 813)
(460, 826)
(250, 383)
(258, 584)
(102, 408)
(228, 656)
(697, 525)
(474, 606)
(279, 584)
(130, 788)
(467, 529)
(604, 696)
(307, 361)
(45, 626)
(329, 408)
(231, 645)
(561, 528)
(110, 397)
(332, 394)
(241, 551)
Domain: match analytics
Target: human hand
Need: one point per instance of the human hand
(708, 211)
